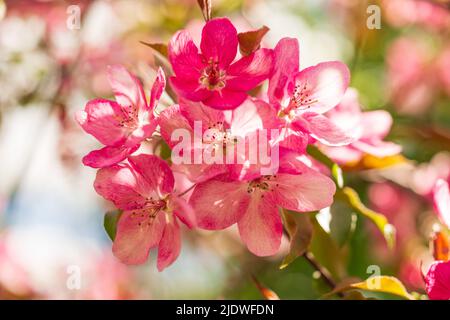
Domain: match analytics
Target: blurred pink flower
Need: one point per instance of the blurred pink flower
(401, 13)
(367, 128)
(211, 76)
(143, 189)
(123, 124)
(438, 281)
(441, 197)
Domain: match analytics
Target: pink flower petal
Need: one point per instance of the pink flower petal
(219, 204)
(189, 88)
(248, 72)
(122, 186)
(219, 41)
(169, 246)
(108, 156)
(252, 115)
(376, 124)
(323, 129)
(184, 56)
(438, 281)
(100, 118)
(172, 119)
(127, 88)
(208, 117)
(309, 191)
(441, 198)
(286, 64)
(377, 148)
(260, 227)
(323, 85)
(225, 99)
(157, 90)
(155, 171)
(184, 212)
(136, 235)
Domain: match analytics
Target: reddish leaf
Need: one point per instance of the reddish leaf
(205, 6)
(266, 292)
(161, 48)
(250, 41)
(441, 246)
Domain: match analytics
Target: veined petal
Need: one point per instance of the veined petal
(184, 56)
(127, 88)
(155, 171)
(122, 186)
(169, 246)
(172, 119)
(321, 87)
(286, 65)
(323, 129)
(157, 90)
(377, 148)
(225, 99)
(101, 118)
(219, 204)
(136, 235)
(308, 191)
(108, 156)
(260, 227)
(184, 211)
(189, 88)
(248, 72)
(219, 41)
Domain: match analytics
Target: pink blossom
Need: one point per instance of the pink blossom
(143, 190)
(302, 97)
(219, 130)
(441, 199)
(210, 76)
(254, 204)
(438, 281)
(367, 128)
(123, 124)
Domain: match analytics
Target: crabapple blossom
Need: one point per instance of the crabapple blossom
(123, 124)
(437, 281)
(211, 76)
(144, 189)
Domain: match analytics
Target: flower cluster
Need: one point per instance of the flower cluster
(236, 98)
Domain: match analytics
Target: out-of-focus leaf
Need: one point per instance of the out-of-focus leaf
(161, 48)
(250, 41)
(267, 293)
(441, 246)
(300, 230)
(336, 171)
(327, 252)
(388, 230)
(164, 150)
(205, 6)
(371, 162)
(383, 284)
(110, 223)
(343, 222)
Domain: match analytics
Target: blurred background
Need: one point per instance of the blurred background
(51, 220)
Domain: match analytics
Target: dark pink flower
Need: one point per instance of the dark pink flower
(301, 97)
(123, 124)
(210, 76)
(143, 190)
(438, 281)
(254, 204)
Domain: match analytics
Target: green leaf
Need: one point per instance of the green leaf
(336, 172)
(250, 41)
(110, 223)
(300, 230)
(382, 223)
(384, 284)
